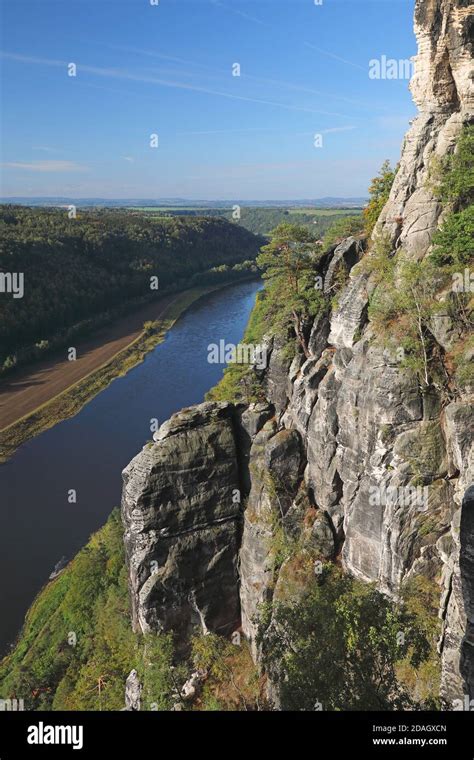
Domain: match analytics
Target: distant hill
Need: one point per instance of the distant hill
(328, 202)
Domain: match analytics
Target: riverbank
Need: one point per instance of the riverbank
(34, 402)
(89, 451)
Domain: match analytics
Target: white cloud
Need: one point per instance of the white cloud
(337, 129)
(46, 166)
(45, 149)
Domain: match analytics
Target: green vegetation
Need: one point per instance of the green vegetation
(289, 263)
(77, 646)
(343, 228)
(379, 191)
(233, 681)
(420, 598)
(452, 180)
(452, 177)
(411, 296)
(262, 220)
(338, 648)
(76, 270)
(453, 243)
(401, 310)
(286, 307)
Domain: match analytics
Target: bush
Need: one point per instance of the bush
(233, 681)
(379, 192)
(343, 228)
(452, 177)
(453, 243)
(338, 647)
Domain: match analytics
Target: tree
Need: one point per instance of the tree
(402, 309)
(453, 175)
(342, 228)
(289, 263)
(453, 243)
(337, 648)
(379, 191)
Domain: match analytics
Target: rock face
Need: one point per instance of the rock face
(346, 452)
(443, 89)
(181, 512)
(276, 460)
(133, 692)
(458, 555)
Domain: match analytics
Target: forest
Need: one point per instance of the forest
(76, 268)
(262, 220)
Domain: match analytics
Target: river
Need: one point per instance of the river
(38, 524)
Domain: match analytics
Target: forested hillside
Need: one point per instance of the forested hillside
(77, 268)
(262, 220)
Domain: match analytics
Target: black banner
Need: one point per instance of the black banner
(68, 734)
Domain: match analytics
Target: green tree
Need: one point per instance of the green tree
(379, 191)
(402, 309)
(289, 263)
(453, 243)
(452, 176)
(337, 648)
(342, 228)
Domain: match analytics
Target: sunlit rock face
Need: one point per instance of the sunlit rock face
(443, 90)
(181, 512)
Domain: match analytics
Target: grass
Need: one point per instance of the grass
(71, 401)
(238, 381)
(77, 646)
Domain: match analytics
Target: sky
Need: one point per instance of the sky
(303, 120)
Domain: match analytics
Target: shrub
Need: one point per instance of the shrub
(379, 192)
(452, 177)
(453, 243)
(338, 647)
(343, 228)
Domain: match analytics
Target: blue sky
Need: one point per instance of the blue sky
(166, 69)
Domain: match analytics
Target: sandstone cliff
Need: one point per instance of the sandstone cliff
(337, 427)
(443, 90)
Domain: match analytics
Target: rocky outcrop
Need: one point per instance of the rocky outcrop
(276, 468)
(181, 512)
(385, 465)
(457, 599)
(133, 692)
(443, 89)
